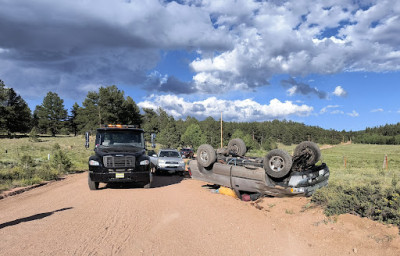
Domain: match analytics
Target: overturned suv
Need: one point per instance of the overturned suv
(277, 174)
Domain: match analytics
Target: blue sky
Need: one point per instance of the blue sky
(333, 64)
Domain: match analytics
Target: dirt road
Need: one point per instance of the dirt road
(177, 217)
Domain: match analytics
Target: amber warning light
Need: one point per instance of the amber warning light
(118, 126)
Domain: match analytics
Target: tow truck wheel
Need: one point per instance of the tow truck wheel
(92, 184)
(206, 155)
(310, 150)
(237, 146)
(148, 185)
(277, 163)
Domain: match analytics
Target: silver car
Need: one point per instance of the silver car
(169, 161)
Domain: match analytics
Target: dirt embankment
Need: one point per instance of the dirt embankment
(177, 217)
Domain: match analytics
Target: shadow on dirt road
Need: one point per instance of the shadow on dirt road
(31, 218)
(160, 180)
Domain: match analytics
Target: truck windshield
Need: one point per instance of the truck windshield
(120, 138)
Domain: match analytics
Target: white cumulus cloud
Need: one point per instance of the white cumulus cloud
(241, 44)
(233, 110)
(340, 92)
(353, 114)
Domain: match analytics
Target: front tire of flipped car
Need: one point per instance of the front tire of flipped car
(308, 148)
(206, 155)
(92, 184)
(277, 163)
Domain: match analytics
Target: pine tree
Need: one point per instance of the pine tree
(130, 112)
(51, 113)
(15, 115)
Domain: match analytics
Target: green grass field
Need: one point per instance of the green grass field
(360, 183)
(24, 162)
(358, 164)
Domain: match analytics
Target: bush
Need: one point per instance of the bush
(368, 200)
(60, 160)
(269, 144)
(45, 172)
(33, 135)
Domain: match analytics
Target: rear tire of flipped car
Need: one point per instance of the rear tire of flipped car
(237, 147)
(310, 149)
(92, 184)
(206, 155)
(277, 163)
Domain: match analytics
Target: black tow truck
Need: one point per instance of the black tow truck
(120, 156)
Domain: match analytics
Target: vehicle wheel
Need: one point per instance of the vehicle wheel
(92, 184)
(237, 146)
(309, 149)
(148, 185)
(206, 155)
(277, 163)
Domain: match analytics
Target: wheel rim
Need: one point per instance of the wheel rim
(276, 163)
(235, 149)
(204, 156)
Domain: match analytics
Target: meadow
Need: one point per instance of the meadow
(24, 161)
(361, 182)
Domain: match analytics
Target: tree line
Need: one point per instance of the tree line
(110, 105)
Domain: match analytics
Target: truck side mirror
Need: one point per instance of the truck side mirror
(87, 139)
(153, 138)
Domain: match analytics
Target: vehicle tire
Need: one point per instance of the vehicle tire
(277, 163)
(92, 184)
(148, 185)
(310, 149)
(206, 155)
(237, 146)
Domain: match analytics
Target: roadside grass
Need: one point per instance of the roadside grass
(360, 182)
(26, 162)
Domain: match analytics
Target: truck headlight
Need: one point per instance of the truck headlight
(94, 163)
(145, 162)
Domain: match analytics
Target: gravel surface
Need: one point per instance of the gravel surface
(177, 217)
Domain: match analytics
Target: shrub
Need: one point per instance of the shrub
(60, 160)
(269, 144)
(368, 200)
(33, 135)
(45, 172)
(26, 161)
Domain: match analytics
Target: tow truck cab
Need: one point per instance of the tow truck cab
(119, 157)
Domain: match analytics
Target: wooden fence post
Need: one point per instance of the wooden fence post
(385, 162)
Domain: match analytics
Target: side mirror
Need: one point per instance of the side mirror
(154, 155)
(87, 134)
(153, 140)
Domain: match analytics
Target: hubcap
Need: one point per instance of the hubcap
(204, 156)
(276, 163)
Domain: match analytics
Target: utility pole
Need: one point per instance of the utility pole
(222, 145)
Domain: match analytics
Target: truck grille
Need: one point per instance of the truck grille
(119, 161)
